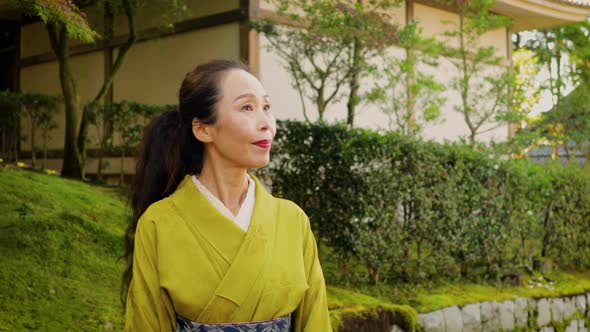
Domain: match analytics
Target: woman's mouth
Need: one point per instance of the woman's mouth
(265, 143)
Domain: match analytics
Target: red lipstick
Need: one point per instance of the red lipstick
(265, 143)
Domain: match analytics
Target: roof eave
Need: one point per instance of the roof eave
(541, 14)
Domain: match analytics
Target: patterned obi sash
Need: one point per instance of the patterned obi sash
(282, 324)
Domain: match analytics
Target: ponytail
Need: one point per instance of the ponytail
(158, 171)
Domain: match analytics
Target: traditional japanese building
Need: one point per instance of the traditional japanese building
(157, 63)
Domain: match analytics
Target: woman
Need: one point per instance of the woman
(209, 249)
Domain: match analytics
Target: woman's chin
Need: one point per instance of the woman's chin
(259, 163)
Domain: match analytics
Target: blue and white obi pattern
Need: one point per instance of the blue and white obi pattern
(282, 324)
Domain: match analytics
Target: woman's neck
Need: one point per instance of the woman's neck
(229, 185)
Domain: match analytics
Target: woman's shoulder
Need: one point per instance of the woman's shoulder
(158, 212)
(289, 206)
(292, 212)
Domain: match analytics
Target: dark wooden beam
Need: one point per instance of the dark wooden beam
(437, 5)
(59, 154)
(409, 11)
(249, 38)
(231, 16)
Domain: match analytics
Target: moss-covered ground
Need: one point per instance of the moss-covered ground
(425, 297)
(59, 241)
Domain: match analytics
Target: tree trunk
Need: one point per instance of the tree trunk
(45, 149)
(374, 271)
(33, 143)
(418, 257)
(16, 136)
(410, 97)
(321, 105)
(464, 84)
(107, 132)
(546, 224)
(353, 99)
(567, 152)
(85, 121)
(4, 145)
(122, 170)
(71, 166)
(100, 158)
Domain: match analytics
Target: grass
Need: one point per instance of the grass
(59, 270)
(60, 242)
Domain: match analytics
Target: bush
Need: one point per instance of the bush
(408, 209)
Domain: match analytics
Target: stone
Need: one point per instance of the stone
(543, 312)
(396, 328)
(506, 315)
(569, 308)
(490, 317)
(557, 310)
(521, 312)
(572, 326)
(453, 319)
(547, 329)
(582, 326)
(581, 304)
(432, 321)
(471, 315)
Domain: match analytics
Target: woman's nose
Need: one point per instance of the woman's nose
(264, 121)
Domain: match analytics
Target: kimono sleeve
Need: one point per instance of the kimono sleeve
(312, 314)
(149, 307)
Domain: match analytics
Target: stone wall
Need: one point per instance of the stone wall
(568, 314)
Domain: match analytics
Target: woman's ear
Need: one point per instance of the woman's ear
(201, 131)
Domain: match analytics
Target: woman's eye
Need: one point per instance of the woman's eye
(247, 108)
(267, 107)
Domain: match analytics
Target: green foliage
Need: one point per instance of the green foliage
(39, 109)
(525, 94)
(9, 123)
(483, 82)
(563, 52)
(119, 126)
(409, 97)
(578, 35)
(59, 12)
(412, 210)
(331, 44)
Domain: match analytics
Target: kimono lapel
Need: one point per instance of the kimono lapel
(241, 281)
(223, 234)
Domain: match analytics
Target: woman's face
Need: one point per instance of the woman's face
(245, 127)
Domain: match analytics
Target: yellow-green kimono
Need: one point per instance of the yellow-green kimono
(190, 260)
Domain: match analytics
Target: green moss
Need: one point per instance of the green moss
(60, 242)
(426, 297)
(346, 304)
(559, 326)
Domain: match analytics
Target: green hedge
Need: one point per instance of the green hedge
(406, 209)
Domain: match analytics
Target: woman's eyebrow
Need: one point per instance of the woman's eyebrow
(248, 95)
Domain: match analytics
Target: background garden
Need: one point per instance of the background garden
(404, 224)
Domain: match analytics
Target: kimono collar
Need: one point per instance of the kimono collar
(223, 234)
